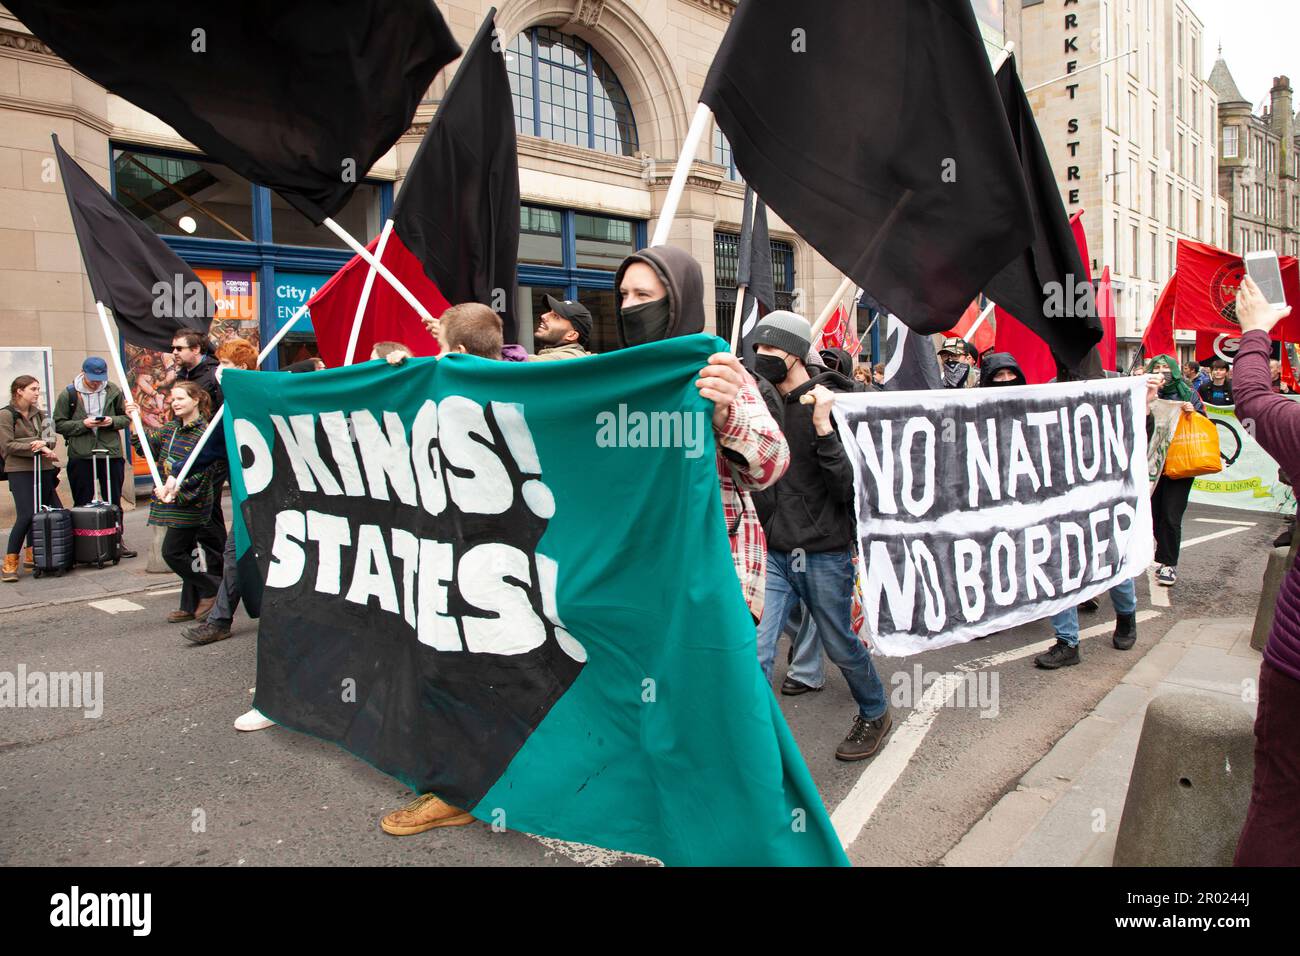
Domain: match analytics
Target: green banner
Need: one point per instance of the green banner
(1249, 478)
(511, 585)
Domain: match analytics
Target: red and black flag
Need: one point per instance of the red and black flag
(754, 271)
(1208, 279)
(865, 126)
(298, 95)
(455, 235)
(149, 289)
(1039, 286)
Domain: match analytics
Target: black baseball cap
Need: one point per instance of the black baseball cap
(575, 312)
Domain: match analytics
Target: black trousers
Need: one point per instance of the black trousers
(188, 552)
(1168, 504)
(23, 488)
(84, 474)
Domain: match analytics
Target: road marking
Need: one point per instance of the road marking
(1244, 524)
(176, 590)
(116, 606)
(856, 809)
(1159, 593)
(1210, 537)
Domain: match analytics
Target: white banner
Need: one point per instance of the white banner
(980, 509)
(1249, 477)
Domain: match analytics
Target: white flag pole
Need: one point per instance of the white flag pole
(970, 333)
(212, 425)
(365, 295)
(113, 350)
(845, 284)
(699, 123)
(1002, 57)
(379, 267)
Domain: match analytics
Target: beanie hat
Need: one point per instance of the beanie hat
(785, 331)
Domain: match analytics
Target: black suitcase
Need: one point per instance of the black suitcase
(52, 548)
(96, 527)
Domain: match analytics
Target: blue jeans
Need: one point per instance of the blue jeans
(807, 666)
(1066, 623)
(825, 585)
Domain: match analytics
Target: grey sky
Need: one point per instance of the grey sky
(1261, 40)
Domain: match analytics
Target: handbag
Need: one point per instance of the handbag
(1194, 449)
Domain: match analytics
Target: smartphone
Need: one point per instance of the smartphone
(1264, 269)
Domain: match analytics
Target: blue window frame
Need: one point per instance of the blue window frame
(565, 91)
(259, 254)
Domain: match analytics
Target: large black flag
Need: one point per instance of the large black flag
(150, 290)
(754, 273)
(458, 208)
(911, 361)
(1050, 269)
(455, 234)
(298, 95)
(874, 130)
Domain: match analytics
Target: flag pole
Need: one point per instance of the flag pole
(988, 310)
(113, 350)
(1007, 50)
(212, 425)
(379, 267)
(365, 295)
(845, 284)
(740, 289)
(699, 123)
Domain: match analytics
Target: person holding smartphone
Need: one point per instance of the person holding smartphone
(89, 414)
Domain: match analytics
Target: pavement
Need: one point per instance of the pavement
(1066, 810)
(87, 583)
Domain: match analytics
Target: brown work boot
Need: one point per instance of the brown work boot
(180, 614)
(10, 573)
(424, 813)
(865, 737)
(29, 559)
(203, 607)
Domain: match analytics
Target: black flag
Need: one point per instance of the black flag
(458, 208)
(297, 95)
(866, 127)
(1050, 268)
(754, 272)
(150, 290)
(912, 362)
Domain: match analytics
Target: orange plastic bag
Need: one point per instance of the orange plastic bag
(1194, 449)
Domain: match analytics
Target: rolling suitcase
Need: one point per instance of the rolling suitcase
(96, 531)
(51, 534)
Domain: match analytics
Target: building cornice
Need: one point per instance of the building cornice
(77, 114)
(24, 46)
(722, 8)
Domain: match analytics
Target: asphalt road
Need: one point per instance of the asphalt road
(162, 779)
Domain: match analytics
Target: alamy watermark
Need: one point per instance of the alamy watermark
(691, 431)
(83, 689)
(975, 689)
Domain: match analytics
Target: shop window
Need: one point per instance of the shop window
(182, 196)
(360, 217)
(726, 248)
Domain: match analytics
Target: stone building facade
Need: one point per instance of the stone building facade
(1259, 164)
(1132, 141)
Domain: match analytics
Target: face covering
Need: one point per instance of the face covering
(771, 367)
(1012, 381)
(954, 374)
(644, 323)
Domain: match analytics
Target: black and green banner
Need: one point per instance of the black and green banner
(510, 585)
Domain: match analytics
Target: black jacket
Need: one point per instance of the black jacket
(996, 362)
(204, 375)
(811, 507)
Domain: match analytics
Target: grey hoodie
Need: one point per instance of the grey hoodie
(681, 276)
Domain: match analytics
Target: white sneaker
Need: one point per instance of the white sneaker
(253, 720)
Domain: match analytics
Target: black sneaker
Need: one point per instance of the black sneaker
(1089, 605)
(865, 737)
(206, 633)
(1061, 655)
(1126, 631)
(793, 688)
(124, 552)
(1283, 540)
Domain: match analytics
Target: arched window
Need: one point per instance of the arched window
(564, 90)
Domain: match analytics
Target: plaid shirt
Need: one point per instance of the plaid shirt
(751, 433)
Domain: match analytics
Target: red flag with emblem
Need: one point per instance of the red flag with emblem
(1207, 291)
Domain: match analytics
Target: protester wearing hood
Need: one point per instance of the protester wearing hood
(1169, 500)
(958, 364)
(1271, 834)
(89, 414)
(809, 519)
(661, 295)
(563, 332)
(1000, 368)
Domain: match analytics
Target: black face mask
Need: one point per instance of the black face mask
(771, 367)
(994, 383)
(644, 323)
(954, 373)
